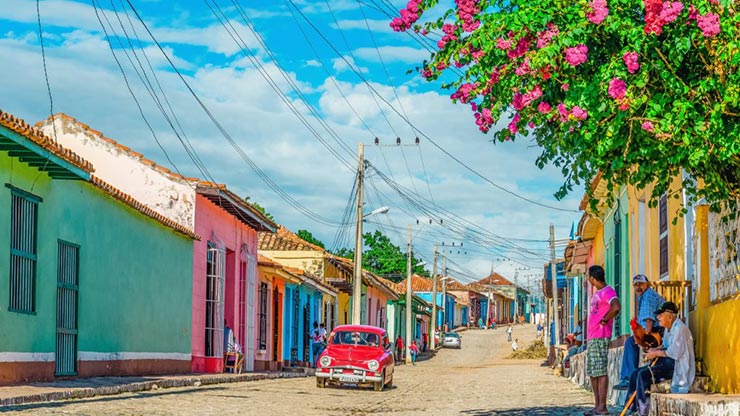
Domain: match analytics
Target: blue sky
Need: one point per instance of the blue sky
(243, 88)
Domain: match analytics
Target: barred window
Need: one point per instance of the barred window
(263, 316)
(663, 230)
(23, 236)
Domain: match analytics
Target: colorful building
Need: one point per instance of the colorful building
(224, 268)
(98, 284)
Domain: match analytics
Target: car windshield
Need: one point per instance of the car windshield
(355, 338)
(452, 335)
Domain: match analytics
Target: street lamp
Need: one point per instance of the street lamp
(357, 275)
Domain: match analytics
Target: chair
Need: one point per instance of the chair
(233, 362)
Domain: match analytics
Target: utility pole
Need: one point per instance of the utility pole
(554, 276)
(444, 290)
(357, 276)
(434, 300)
(408, 299)
(516, 296)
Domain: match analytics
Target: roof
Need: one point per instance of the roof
(576, 253)
(368, 277)
(236, 206)
(50, 154)
(301, 274)
(284, 240)
(495, 279)
(121, 147)
(33, 134)
(139, 206)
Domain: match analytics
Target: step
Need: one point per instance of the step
(700, 385)
(694, 404)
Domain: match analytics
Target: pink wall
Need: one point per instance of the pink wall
(214, 224)
(376, 300)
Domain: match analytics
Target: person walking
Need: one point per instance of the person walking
(508, 333)
(317, 342)
(399, 348)
(515, 344)
(414, 351)
(648, 301)
(605, 306)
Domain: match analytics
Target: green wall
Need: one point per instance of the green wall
(135, 274)
(622, 281)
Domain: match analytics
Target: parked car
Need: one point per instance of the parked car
(357, 354)
(451, 340)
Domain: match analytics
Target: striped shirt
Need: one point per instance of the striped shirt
(647, 303)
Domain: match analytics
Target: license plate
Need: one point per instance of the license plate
(349, 379)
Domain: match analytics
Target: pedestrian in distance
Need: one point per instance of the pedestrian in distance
(399, 348)
(414, 351)
(515, 344)
(317, 342)
(605, 306)
(539, 330)
(508, 333)
(648, 301)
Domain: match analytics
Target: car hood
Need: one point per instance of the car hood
(358, 353)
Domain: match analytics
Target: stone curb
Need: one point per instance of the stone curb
(196, 381)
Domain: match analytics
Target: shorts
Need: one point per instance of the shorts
(597, 357)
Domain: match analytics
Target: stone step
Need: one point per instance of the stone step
(694, 404)
(700, 385)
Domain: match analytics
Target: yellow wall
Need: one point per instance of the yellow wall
(715, 326)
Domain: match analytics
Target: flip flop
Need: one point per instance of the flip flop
(588, 412)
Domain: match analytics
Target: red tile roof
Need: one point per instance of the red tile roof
(133, 203)
(37, 136)
(284, 240)
(496, 280)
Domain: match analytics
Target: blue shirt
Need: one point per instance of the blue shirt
(647, 303)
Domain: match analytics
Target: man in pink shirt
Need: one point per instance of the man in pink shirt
(604, 307)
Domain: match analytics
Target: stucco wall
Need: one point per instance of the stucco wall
(135, 275)
(165, 193)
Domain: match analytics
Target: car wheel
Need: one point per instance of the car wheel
(390, 382)
(320, 382)
(378, 385)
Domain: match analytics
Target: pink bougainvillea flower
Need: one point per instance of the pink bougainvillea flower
(524, 68)
(624, 105)
(709, 24)
(648, 126)
(670, 11)
(576, 55)
(653, 23)
(503, 44)
(409, 16)
(530, 125)
(693, 13)
(563, 112)
(466, 11)
(448, 29)
(579, 113)
(521, 48)
(617, 88)
(544, 38)
(565, 87)
(598, 12)
(463, 93)
(631, 61)
(544, 107)
(513, 128)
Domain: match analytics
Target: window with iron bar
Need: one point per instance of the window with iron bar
(663, 234)
(23, 255)
(263, 316)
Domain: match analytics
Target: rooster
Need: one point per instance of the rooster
(646, 339)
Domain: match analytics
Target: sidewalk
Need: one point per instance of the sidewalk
(102, 386)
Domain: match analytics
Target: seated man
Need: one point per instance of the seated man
(674, 360)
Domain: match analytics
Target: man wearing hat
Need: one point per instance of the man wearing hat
(648, 300)
(674, 360)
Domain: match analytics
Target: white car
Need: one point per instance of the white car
(451, 340)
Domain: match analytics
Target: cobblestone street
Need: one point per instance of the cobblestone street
(476, 380)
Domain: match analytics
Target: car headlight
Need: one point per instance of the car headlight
(325, 361)
(373, 365)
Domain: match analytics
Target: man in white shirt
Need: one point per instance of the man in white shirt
(515, 344)
(674, 360)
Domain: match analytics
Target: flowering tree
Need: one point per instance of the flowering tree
(638, 91)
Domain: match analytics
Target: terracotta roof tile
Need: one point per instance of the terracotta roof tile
(37, 136)
(496, 280)
(133, 203)
(123, 148)
(285, 240)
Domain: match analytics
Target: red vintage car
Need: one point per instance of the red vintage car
(357, 354)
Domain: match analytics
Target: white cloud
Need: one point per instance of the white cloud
(345, 64)
(377, 26)
(313, 63)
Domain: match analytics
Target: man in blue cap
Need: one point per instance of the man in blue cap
(648, 300)
(674, 360)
